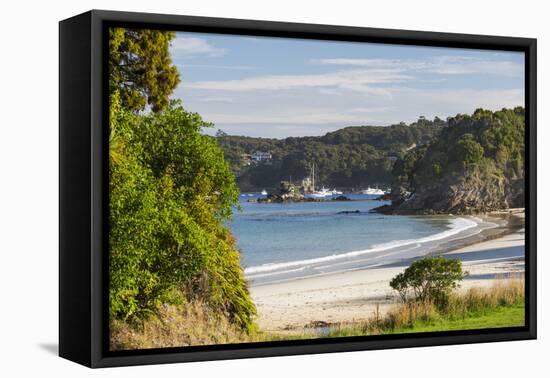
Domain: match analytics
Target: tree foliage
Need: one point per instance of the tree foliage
(494, 137)
(140, 67)
(468, 150)
(170, 193)
(430, 279)
(482, 152)
(352, 157)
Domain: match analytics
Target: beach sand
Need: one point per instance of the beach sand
(357, 295)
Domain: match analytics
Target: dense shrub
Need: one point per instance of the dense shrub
(170, 193)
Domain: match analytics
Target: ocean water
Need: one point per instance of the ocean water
(287, 241)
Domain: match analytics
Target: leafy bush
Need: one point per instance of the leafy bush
(170, 193)
(430, 279)
(468, 150)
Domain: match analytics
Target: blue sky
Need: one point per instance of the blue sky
(279, 87)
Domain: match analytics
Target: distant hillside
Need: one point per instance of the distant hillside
(353, 157)
(475, 165)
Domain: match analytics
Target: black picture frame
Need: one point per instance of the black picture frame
(83, 179)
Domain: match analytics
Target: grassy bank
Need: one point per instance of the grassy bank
(185, 324)
(193, 323)
(503, 316)
(502, 305)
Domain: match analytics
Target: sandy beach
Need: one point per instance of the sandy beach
(356, 295)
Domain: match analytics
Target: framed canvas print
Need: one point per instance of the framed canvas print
(234, 188)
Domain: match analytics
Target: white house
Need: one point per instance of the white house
(261, 156)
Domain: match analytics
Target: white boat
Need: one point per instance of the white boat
(263, 192)
(373, 191)
(336, 192)
(322, 193)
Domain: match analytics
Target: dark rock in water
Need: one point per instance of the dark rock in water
(286, 192)
(341, 198)
(309, 199)
(349, 212)
(384, 197)
(384, 209)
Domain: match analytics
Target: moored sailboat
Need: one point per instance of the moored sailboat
(373, 191)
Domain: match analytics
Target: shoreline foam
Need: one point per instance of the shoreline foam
(463, 231)
(375, 248)
(350, 296)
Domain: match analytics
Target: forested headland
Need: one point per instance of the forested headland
(350, 158)
(475, 165)
(465, 164)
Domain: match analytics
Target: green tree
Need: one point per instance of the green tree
(168, 204)
(468, 150)
(429, 279)
(475, 164)
(353, 157)
(140, 67)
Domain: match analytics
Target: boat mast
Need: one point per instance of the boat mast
(313, 177)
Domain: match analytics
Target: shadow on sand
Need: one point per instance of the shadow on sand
(484, 256)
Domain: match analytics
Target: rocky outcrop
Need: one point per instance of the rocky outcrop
(286, 192)
(475, 165)
(384, 197)
(473, 193)
(341, 198)
(349, 212)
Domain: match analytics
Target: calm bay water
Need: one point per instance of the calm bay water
(293, 240)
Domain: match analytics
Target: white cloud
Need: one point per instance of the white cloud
(297, 117)
(447, 102)
(215, 66)
(358, 80)
(190, 46)
(302, 111)
(274, 130)
(367, 78)
(447, 65)
(379, 109)
(356, 92)
(388, 63)
(216, 99)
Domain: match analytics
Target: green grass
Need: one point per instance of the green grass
(499, 306)
(498, 317)
(504, 316)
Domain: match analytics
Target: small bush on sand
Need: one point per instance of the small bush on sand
(430, 279)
